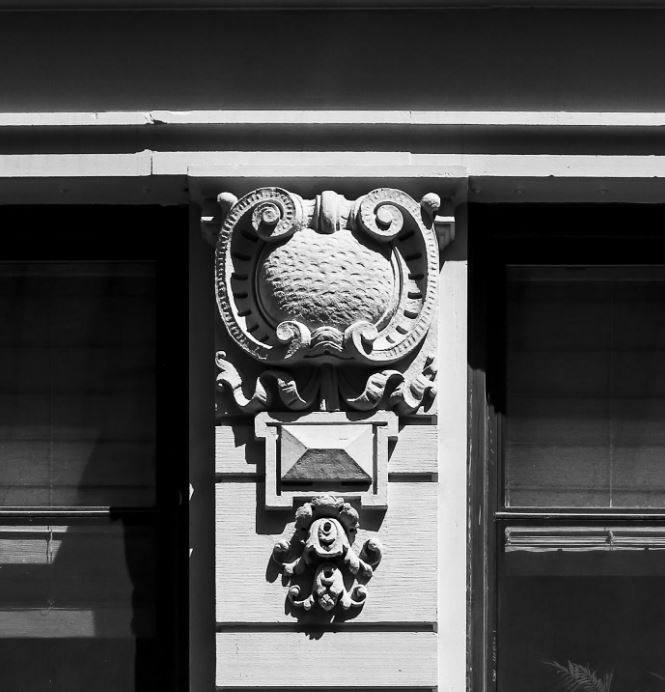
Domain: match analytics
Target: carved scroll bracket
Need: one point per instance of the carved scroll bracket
(321, 557)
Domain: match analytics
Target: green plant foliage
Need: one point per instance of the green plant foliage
(574, 677)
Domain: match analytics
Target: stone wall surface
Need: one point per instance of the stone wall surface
(327, 459)
(446, 60)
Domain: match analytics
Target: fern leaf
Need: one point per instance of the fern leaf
(574, 677)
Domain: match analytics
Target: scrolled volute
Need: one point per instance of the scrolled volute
(383, 212)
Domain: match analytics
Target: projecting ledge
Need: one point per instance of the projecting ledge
(179, 177)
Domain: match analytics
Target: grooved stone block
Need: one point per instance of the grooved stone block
(402, 589)
(355, 659)
(237, 452)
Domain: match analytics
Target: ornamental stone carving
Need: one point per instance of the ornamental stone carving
(325, 293)
(321, 552)
(315, 450)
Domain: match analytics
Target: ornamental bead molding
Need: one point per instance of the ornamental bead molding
(327, 281)
(320, 556)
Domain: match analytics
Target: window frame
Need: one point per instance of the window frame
(533, 234)
(113, 239)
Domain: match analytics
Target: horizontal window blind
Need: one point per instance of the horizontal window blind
(585, 387)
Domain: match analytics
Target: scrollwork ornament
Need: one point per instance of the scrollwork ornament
(328, 281)
(322, 550)
(360, 337)
(294, 335)
(381, 213)
(278, 217)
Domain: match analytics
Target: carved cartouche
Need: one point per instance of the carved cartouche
(320, 285)
(329, 279)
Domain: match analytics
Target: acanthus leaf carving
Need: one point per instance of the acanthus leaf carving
(322, 551)
(399, 392)
(390, 387)
(261, 398)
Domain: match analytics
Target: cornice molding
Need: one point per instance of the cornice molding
(192, 143)
(350, 118)
(184, 176)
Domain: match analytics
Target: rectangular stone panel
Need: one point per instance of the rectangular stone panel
(294, 660)
(238, 453)
(402, 589)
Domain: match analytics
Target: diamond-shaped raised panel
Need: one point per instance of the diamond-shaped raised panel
(335, 452)
(309, 446)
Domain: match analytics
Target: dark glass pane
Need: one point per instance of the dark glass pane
(585, 387)
(600, 610)
(77, 383)
(77, 607)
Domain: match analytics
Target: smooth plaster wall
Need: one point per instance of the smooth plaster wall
(458, 60)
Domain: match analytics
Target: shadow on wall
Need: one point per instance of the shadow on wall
(79, 594)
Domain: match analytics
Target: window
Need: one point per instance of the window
(568, 352)
(92, 449)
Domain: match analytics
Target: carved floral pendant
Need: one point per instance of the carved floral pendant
(322, 550)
